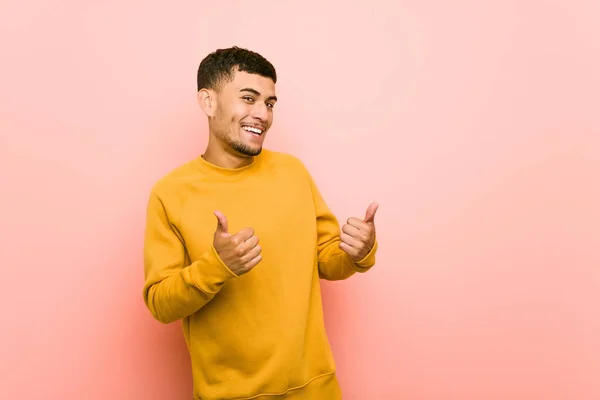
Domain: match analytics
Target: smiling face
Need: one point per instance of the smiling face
(240, 114)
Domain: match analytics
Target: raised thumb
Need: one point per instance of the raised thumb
(370, 214)
(222, 225)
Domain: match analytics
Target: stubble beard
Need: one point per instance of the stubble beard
(243, 148)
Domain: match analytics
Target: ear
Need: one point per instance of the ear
(207, 101)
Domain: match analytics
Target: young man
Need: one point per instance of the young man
(236, 242)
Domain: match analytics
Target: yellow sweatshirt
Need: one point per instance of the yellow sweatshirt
(259, 335)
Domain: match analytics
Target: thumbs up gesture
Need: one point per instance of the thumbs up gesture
(239, 251)
(358, 236)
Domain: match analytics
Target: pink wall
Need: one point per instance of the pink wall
(474, 124)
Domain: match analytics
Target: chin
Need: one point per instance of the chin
(254, 152)
(246, 150)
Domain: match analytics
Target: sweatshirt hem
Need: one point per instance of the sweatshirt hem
(288, 391)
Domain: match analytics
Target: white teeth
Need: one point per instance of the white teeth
(251, 129)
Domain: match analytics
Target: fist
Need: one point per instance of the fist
(358, 236)
(239, 251)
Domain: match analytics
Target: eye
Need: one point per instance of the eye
(270, 105)
(248, 99)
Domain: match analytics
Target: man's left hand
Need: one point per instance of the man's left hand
(358, 236)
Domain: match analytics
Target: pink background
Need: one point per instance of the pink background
(474, 124)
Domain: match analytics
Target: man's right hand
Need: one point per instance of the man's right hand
(240, 251)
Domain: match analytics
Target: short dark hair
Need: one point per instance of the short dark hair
(218, 66)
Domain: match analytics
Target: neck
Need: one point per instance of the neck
(218, 156)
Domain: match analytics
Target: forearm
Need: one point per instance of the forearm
(177, 294)
(336, 264)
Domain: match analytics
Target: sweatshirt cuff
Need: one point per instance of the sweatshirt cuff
(209, 273)
(369, 260)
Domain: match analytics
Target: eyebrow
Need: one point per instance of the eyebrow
(257, 93)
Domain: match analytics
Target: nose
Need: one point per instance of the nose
(260, 111)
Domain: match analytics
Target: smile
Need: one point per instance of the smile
(252, 129)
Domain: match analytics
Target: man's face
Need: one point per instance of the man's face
(244, 113)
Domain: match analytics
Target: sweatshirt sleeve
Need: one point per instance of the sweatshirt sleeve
(334, 263)
(174, 288)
